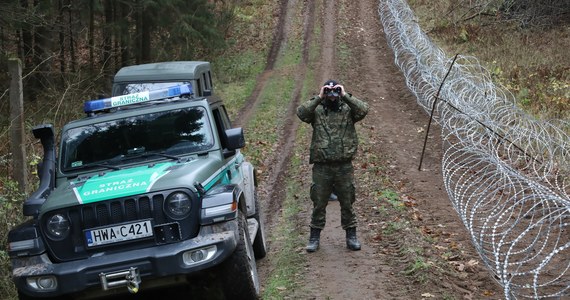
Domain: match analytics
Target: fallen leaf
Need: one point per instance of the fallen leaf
(416, 216)
(453, 245)
(461, 267)
(472, 263)
(426, 230)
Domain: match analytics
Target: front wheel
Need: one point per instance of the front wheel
(259, 243)
(239, 271)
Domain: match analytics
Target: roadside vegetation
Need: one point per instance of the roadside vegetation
(523, 44)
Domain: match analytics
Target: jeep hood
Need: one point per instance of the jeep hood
(133, 181)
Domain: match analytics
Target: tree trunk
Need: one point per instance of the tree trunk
(42, 59)
(72, 53)
(27, 39)
(91, 32)
(146, 36)
(139, 32)
(125, 36)
(17, 135)
(60, 26)
(107, 37)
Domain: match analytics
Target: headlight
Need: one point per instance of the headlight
(58, 227)
(177, 205)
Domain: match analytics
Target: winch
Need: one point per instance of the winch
(130, 278)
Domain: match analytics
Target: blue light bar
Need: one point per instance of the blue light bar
(118, 101)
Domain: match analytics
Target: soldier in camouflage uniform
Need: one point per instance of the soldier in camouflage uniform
(332, 115)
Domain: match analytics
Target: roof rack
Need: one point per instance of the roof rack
(93, 106)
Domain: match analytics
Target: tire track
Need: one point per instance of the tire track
(246, 111)
(274, 184)
(271, 191)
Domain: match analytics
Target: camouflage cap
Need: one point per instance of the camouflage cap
(330, 83)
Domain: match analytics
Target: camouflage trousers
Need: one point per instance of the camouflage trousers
(325, 177)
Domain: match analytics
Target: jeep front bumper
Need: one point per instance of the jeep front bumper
(38, 276)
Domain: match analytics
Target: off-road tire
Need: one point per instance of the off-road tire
(259, 243)
(239, 272)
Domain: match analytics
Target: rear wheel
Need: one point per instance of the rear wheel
(239, 271)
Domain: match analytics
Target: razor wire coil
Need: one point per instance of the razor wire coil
(506, 173)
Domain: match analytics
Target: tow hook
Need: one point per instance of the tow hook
(130, 278)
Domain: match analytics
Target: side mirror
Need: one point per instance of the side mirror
(235, 138)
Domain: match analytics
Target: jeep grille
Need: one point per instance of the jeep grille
(118, 211)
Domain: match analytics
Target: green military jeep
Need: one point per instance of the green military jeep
(147, 190)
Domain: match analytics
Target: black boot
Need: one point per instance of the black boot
(352, 242)
(314, 239)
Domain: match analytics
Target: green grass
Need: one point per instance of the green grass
(419, 265)
(393, 227)
(419, 270)
(287, 262)
(268, 119)
(235, 77)
(392, 198)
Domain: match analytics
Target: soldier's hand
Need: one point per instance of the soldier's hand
(322, 92)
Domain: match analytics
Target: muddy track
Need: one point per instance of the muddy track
(271, 190)
(244, 114)
(274, 185)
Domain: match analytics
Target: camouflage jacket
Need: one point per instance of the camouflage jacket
(334, 135)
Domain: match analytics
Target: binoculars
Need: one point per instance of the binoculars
(331, 90)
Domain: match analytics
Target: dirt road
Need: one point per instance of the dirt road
(420, 252)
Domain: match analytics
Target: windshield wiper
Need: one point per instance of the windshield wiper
(103, 165)
(144, 155)
(173, 157)
(140, 152)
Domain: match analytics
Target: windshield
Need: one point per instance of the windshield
(111, 143)
(131, 88)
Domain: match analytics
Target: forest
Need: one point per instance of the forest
(64, 42)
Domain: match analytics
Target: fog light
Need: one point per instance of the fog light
(200, 255)
(197, 255)
(43, 283)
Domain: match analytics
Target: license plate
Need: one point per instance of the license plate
(118, 233)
